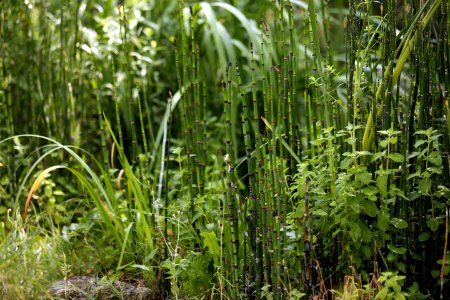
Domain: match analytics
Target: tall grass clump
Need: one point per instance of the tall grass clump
(287, 149)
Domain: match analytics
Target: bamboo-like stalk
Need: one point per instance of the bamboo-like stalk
(117, 107)
(250, 206)
(231, 203)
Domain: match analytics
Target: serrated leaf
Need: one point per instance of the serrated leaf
(60, 207)
(393, 140)
(419, 143)
(384, 143)
(377, 156)
(400, 251)
(399, 223)
(397, 157)
(355, 231)
(435, 158)
(425, 186)
(300, 210)
(418, 173)
(413, 196)
(371, 209)
(370, 191)
(412, 155)
(383, 221)
(210, 241)
(320, 213)
(424, 236)
(435, 273)
(382, 293)
(345, 163)
(364, 177)
(382, 184)
(433, 223)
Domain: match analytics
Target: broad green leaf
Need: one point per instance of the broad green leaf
(370, 190)
(377, 156)
(355, 231)
(412, 155)
(424, 236)
(413, 195)
(397, 157)
(435, 158)
(397, 192)
(3, 210)
(345, 163)
(425, 186)
(353, 203)
(384, 143)
(435, 273)
(364, 177)
(300, 210)
(210, 241)
(382, 184)
(399, 223)
(371, 209)
(366, 234)
(401, 250)
(351, 140)
(419, 143)
(433, 223)
(383, 221)
(48, 190)
(320, 213)
(382, 294)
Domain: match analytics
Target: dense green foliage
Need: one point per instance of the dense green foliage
(237, 149)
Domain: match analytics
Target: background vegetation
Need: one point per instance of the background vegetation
(237, 149)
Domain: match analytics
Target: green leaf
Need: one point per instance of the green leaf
(397, 157)
(433, 223)
(355, 231)
(382, 184)
(425, 186)
(300, 210)
(382, 294)
(3, 210)
(320, 213)
(48, 191)
(412, 155)
(377, 156)
(210, 241)
(383, 221)
(413, 196)
(435, 158)
(351, 140)
(364, 177)
(60, 207)
(366, 235)
(419, 143)
(370, 191)
(345, 163)
(399, 223)
(435, 273)
(400, 251)
(424, 236)
(371, 209)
